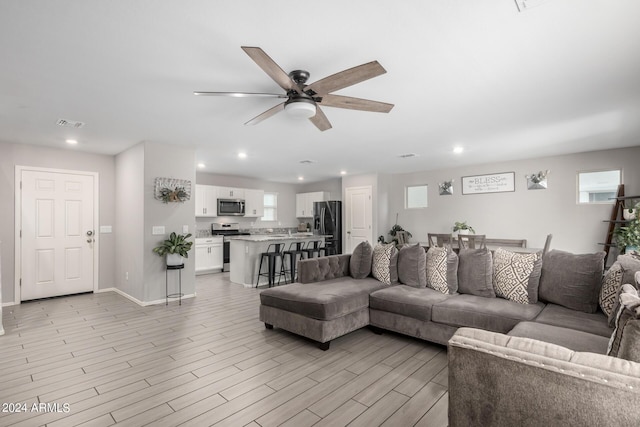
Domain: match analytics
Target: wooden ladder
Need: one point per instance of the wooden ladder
(616, 219)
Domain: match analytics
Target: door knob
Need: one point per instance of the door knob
(90, 233)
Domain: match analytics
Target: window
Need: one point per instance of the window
(415, 196)
(270, 207)
(598, 187)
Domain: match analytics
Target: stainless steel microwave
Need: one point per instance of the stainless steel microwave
(230, 207)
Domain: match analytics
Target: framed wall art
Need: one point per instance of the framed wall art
(489, 183)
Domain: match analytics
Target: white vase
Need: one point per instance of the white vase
(629, 214)
(465, 231)
(175, 259)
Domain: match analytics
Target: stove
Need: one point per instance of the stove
(225, 230)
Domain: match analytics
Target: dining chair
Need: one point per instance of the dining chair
(439, 240)
(472, 241)
(517, 243)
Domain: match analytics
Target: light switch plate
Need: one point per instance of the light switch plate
(105, 229)
(157, 229)
(185, 229)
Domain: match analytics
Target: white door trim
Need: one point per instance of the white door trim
(17, 297)
(348, 190)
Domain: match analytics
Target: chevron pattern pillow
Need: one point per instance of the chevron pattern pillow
(512, 274)
(384, 265)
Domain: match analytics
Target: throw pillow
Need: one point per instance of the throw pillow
(475, 272)
(360, 261)
(442, 270)
(516, 276)
(572, 280)
(412, 266)
(611, 283)
(625, 340)
(630, 264)
(384, 266)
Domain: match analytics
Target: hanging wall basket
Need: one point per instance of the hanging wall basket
(171, 190)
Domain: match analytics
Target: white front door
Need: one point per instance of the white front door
(358, 217)
(58, 234)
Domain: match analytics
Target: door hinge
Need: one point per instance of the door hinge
(21, 185)
(20, 282)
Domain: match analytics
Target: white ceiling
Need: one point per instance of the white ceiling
(559, 78)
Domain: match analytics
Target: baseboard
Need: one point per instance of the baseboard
(142, 303)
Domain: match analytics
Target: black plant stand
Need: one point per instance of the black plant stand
(179, 295)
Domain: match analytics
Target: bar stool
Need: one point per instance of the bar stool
(273, 253)
(295, 249)
(313, 246)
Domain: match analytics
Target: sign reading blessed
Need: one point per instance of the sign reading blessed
(491, 183)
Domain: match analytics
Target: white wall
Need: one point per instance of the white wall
(31, 155)
(130, 227)
(167, 161)
(527, 214)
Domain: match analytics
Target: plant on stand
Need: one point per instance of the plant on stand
(463, 228)
(175, 248)
(628, 236)
(397, 234)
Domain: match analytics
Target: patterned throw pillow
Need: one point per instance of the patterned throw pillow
(625, 340)
(610, 285)
(515, 275)
(442, 270)
(384, 265)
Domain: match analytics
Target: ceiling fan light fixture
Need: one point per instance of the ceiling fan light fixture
(300, 108)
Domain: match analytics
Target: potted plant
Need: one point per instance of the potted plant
(628, 237)
(630, 213)
(175, 248)
(463, 228)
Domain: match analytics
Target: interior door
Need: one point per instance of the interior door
(358, 217)
(58, 234)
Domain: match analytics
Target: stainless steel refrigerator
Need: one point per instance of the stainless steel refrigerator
(327, 220)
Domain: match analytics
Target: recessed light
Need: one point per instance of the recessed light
(201, 165)
(343, 172)
(458, 149)
(301, 178)
(242, 155)
(71, 141)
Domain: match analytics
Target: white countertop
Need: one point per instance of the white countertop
(276, 237)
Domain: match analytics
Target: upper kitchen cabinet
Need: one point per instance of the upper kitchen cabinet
(231, 193)
(304, 202)
(206, 200)
(254, 203)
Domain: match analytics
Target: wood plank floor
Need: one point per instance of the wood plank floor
(102, 360)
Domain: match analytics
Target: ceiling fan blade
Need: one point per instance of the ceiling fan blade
(269, 66)
(347, 78)
(241, 94)
(270, 112)
(350, 103)
(320, 120)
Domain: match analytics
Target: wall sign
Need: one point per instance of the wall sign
(490, 183)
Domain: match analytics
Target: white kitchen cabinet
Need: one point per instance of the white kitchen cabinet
(206, 200)
(304, 202)
(231, 193)
(254, 203)
(209, 255)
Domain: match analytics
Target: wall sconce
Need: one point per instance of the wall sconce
(446, 188)
(537, 181)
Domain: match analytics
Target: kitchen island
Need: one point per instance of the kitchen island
(246, 250)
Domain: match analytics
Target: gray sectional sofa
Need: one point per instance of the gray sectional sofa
(557, 344)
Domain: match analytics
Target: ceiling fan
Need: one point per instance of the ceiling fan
(304, 100)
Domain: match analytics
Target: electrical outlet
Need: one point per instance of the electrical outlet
(185, 229)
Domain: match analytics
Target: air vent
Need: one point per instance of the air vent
(407, 155)
(70, 123)
(306, 162)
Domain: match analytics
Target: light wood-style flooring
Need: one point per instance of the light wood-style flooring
(100, 360)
